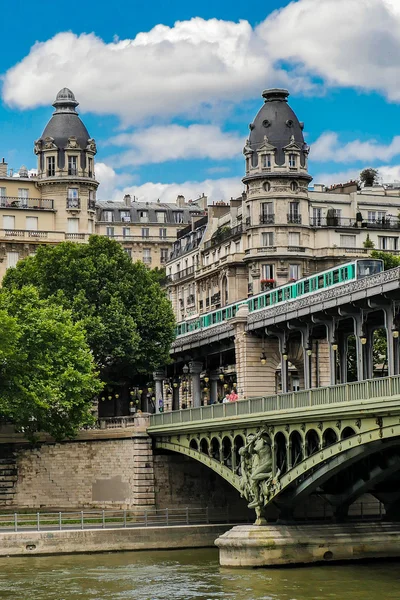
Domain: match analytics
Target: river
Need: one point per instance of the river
(187, 575)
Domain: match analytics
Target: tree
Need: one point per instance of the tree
(369, 177)
(389, 260)
(48, 376)
(128, 319)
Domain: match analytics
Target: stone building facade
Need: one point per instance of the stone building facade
(280, 229)
(59, 202)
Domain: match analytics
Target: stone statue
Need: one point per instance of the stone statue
(91, 145)
(37, 146)
(257, 482)
(72, 142)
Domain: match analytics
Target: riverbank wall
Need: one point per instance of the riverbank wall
(75, 541)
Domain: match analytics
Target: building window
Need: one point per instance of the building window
(12, 259)
(294, 186)
(268, 239)
(160, 217)
(73, 225)
(90, 226)
(143, 216)
(268, 271)
(73, 198)
(248, 241)
(72, 165)
(266, 161)
(126, 231)
(92, 200)
(206, 259)
(8, 222)
(388, 243)
(31, 223)
(267, 213)
(178, 217)
(2, 192)
(110, 231)
(51, 166)
(23, 194)
(316, 217)
(147, 255)
(145, 232)
(294, 272)
(90, 167)
(348, 241)
(292, 161)
(108, 216)
(237, 246)
(163, 233)
(163, 255)
(128, 251)
(376, 216)
(227, 249)
(294, 239)
(125, 216)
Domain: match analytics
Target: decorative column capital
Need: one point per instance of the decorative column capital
(159, 375)
(195, 367)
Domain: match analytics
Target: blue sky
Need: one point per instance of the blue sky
(168, 89)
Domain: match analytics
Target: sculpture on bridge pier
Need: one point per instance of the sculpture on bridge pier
(257, 482)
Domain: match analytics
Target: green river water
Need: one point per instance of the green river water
(187, 575)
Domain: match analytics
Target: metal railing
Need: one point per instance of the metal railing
(181, 274)
(116, 422)
(383, 387)
(73, 203)
(26, 203)
(293, 218)
(223, 235)
(267, 219)
(333, 221)
(111, 519)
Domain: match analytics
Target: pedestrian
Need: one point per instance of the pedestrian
(233, 396)
(226, 399)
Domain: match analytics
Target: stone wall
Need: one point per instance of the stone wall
(108, 473)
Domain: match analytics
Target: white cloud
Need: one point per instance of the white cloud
(350, 43)
(387, 174)
(167, 71)
(328, 148)
(113, 187)
(197, 64)
(172, 142)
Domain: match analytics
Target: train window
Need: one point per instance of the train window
(287, 293)
(234, 309)
(279, 295)
(261, 302)
(336, 276)
(268, 300)
(223, 315)
(368, 267)
(321, 282)
(306, 286)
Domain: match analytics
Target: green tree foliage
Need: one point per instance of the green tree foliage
(127, 317)
(389, 260)
(369, 177)
(47, 372)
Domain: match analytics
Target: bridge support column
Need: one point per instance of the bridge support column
(361, 353)
(392, 343)
(175, 398)
(195, 370)
(284, 361)
(214, 377)
(158, 377)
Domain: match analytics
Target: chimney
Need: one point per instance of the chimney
(127, 200)
(3, 168)
(180, 201)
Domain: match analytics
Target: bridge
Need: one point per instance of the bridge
(299, 344)
(330, 444)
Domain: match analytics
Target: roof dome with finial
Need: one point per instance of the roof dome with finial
(65, 122)
(277, 122)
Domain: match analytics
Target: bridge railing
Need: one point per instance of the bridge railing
(382, 387)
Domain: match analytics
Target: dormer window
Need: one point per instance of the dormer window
(125, 216)
(72, 165)
(292, 161)
(143, 216)
(108, 216)
(266, 161)
(160, 216)
(51, 166)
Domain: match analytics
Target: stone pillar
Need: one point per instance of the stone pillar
(143, 468)
(392, 343)
(196, 368)
(324, 363)
(359, 333)
(214, 377)
(158, 377)
(305, 342)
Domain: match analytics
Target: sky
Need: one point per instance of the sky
(168, 88)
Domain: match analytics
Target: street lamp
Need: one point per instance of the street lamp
(263, 358)
(363, 340)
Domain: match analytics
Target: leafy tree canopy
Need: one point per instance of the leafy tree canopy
(389, 260)
(369, 176)
(47, 372)
(127, 317)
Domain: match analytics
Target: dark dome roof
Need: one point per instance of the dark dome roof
(277, 121)
(65, 122)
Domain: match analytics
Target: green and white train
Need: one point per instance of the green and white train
(339, 275)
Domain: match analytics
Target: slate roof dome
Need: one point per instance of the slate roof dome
(65, 122)
(277, 121)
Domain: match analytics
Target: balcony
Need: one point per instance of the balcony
(296, 249)
(73, 204)
(146, 260)
(26, 203)
(345, 222)
(182, 274)
(216, 298)
(294, 218)
(248, 221)
(92, 205)
(267, 219)
(222, 234)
